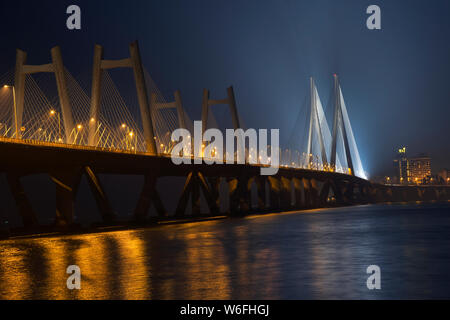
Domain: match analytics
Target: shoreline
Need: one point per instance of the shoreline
(53, 231)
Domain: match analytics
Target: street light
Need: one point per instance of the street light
(52, 113)
(132, 136)
(15, 107)
(77, 131)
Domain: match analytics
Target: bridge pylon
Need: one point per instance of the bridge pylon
(207, 103)
(339, 125)
(315, 125)
(177, 104)
(56, 67)
(229, 100)
(134, 62)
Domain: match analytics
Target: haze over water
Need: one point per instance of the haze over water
(317, 254)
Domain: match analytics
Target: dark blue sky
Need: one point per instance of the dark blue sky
(395, 80)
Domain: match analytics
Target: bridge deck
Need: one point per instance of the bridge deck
(31, 157)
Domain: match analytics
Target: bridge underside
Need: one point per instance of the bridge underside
(247, 190)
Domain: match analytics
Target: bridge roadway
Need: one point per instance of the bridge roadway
(290, 189)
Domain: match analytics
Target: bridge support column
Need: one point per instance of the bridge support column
(233, 189)
(344, 194)
(371, 193)
(389, 194)
(298, 193)
(195, 195)
(24, 208)
(274, 193)
(357, 197)
(239, 192)
(380, 194)
(324, 193)
(285, 193)
(182, 202)
(421, 193)
(307, 193)
(444, 194)
(363, 194)
(66, 183)
(100, 197)
(350, 193)
(398, 194)
(209, 194)
(261, 187)
(435, 193)
(416, 194)
(429, 194)
(315, 193)
(214, 184)
(148, 195)
(194, 183)
(335, 187)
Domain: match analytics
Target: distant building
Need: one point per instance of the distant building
(444, 176)
(420, 169)
(401, 167)
(415, 170)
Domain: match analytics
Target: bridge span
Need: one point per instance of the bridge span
(70, 135)
(290, 189)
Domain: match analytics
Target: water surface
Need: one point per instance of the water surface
(317, 254)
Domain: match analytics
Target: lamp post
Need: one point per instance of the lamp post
(79, 128)
(52, 113)
(15, 108)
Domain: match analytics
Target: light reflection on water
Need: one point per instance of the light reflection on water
(320, 254)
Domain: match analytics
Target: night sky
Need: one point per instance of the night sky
(394, 80)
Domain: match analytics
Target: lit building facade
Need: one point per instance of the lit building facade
(420, 169)
(415, 170)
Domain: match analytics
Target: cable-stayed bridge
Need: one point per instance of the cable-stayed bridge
(49, 124)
